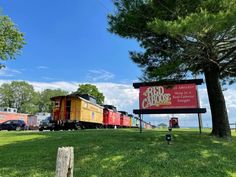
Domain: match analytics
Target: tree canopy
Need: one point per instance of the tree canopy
(179, 36)
(45, 104)
(183, 37)
(21, 95)
(91, 90)
(11, 39)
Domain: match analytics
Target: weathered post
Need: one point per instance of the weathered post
(65, 162)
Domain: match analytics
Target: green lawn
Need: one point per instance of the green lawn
(119, 153)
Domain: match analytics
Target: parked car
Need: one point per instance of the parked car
(46, 124)
(13, 125)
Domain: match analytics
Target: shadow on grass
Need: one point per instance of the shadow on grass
(119, 153)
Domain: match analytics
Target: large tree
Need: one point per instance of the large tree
(91, 90)
(180, 37)
(11, 39)
(20, 95)
(45, 104)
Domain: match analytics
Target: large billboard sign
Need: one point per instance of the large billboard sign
(168, 97)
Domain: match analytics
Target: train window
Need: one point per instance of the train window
(106, 112)
(5, 109)
(56, 104)
(93, 100)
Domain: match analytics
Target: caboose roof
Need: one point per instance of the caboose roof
(79, 96)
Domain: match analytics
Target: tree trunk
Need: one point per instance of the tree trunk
(220, 122)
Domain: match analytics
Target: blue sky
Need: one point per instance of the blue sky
(68, 40)
(68, 44)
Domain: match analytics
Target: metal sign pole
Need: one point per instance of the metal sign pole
(200, 122)
(140, 122)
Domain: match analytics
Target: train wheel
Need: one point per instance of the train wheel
(77, 127)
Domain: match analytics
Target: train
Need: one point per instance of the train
(174, 122)
(81, 111)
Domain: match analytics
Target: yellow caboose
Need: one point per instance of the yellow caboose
(76, 111)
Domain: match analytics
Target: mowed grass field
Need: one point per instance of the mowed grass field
(119, 153)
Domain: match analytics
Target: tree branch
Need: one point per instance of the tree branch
(224, 66)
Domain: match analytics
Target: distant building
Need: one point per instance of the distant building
(35, 120)
(42, 116)
(162, 125)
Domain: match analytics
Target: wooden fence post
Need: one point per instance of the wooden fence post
(65, 162)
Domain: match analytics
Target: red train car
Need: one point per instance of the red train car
(111, 117)
(124, 119)
(11, 114)
(173, 122)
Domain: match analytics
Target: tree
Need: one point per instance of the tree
(180, 37)
(20, 95)
(11, 39)
(91, 90)
(45, 104)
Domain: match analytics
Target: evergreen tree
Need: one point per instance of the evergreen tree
(181, 37)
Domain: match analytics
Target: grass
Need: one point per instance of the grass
(119, 153)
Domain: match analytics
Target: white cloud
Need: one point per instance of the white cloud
(125, 97)
(42, 67)
(68, 86)
(99, 75)
(7, 72)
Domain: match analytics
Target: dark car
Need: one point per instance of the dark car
(46, 124)
(13, 125)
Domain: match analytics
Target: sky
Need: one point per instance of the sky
(68, 44)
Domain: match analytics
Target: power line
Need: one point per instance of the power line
(103, 5)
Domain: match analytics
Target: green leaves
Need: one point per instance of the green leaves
(187, 35)
(196, 24)
(180, 38)
(11, 39)
(21, 95)
(91, 90)
(44, 103)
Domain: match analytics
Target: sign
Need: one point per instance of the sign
(167, 97)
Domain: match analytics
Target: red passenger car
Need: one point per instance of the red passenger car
(111, 117)
(173, 122)
(124, 119)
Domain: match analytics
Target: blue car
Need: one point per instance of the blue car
(13, 125)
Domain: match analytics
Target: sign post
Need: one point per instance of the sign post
(140, 122)
(199, 114)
